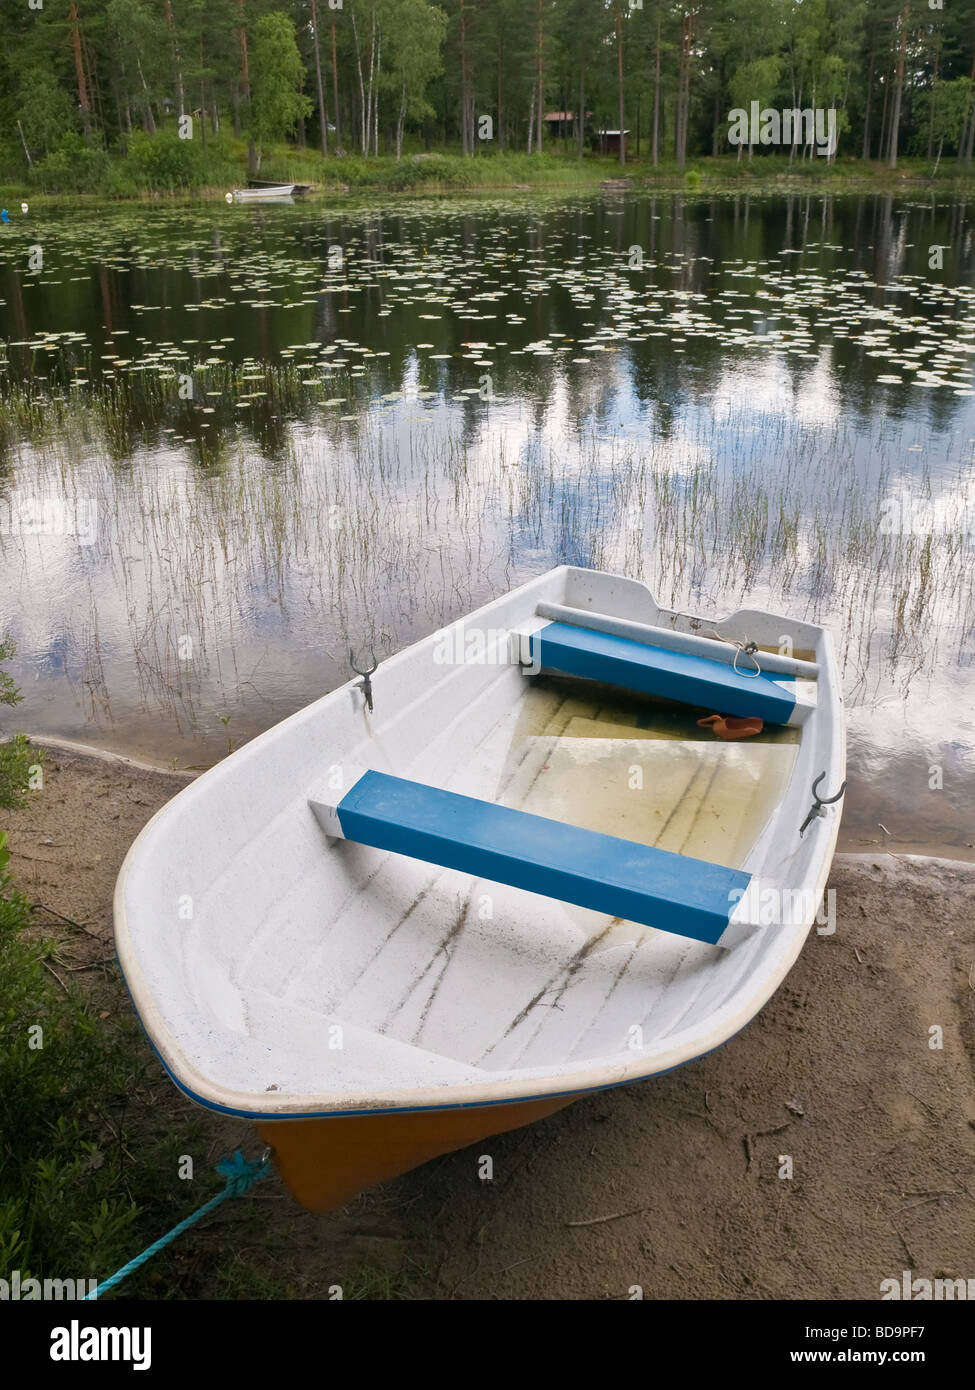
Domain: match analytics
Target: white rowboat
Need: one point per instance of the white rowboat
(253, 195)
(507, 870)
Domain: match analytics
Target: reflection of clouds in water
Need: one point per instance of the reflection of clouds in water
(768, 389)
(274, 570)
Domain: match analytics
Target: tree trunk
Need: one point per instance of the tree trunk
(866, 114)
(123, 103)
(30, 162)
(79, 68)
(375, 102)
(203, 94)
(934, 98)
(656, 97)
(177, 62)
(245, 76)
(253, 156)
(322, 113)
(335, 94)
(970, 132)
(682, 111)
(149, 120)
(94, 84)
(539, 76)
(895, 118)
(581, 113)
(399, 124)
(466, 94)
(619, 78)
(363, 111)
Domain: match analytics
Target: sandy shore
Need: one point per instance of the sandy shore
(672, 1185)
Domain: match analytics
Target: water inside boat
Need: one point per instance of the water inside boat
(641, 769)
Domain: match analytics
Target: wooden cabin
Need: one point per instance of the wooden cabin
(609, 141)
(561, 125)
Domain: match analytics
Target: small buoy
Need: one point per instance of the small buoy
(229, 197)
(24, 207)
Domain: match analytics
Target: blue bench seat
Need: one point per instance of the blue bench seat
(690, 679)
(622, 878)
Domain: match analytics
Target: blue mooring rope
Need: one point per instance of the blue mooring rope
(241, 1175)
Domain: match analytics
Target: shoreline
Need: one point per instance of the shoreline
(631, 178)
(848, 847)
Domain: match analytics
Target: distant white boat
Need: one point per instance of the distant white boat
(506, 870)
(274, 190)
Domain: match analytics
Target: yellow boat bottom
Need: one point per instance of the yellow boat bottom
(324, 1163)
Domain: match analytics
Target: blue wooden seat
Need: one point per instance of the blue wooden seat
(693, 680)
(619, 877)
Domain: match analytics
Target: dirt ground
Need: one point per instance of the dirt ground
(673, 1185)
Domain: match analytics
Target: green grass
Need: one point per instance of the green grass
(369, 1282)
(63, 1210)
(90, 1147)
(92, 1134)
(165, 165)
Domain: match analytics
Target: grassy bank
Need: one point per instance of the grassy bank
(99, 1154)
(81, 1127)
(166, 165)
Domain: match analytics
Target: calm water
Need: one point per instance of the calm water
(258, 436)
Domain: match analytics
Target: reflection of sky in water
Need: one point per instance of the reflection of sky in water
(727, 422)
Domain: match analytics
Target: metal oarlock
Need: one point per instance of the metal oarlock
(816, 809)
(366, 682)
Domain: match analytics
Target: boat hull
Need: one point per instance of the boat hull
(372, 1004)
(325, 1162)
(264, 195)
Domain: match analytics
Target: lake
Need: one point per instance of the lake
(237, 442)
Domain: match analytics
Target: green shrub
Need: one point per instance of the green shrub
(163, 162)
(74, 167)
(16, 755)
